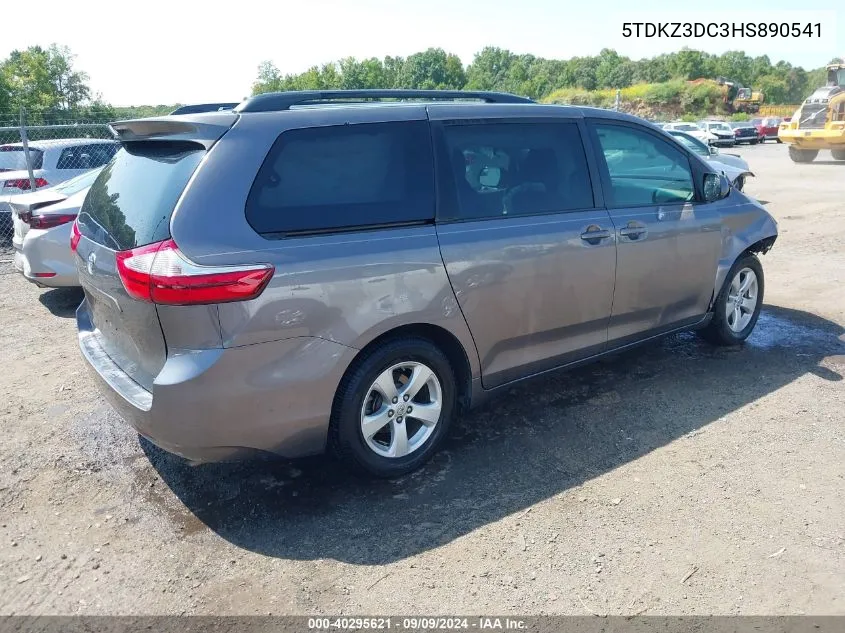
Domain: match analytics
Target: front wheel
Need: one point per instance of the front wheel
(737, 306)
(393, 408)
(802, 155)
(838, 154)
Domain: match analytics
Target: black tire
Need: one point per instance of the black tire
(778, 140)
(346, 440)
(838, 154)
(802, 155)
(754, 142)
(718, 331)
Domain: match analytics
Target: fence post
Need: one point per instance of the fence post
(26, 154)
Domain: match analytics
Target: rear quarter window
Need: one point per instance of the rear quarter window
(344, 177)
(131, 201)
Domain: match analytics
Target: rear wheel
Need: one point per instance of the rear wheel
(838, 154)
(393, 408)
(737, 306)
(802, 155)
(778, 140)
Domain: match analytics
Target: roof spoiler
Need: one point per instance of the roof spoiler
(204, 129)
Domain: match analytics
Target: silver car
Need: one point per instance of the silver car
(316, 271)
(42, 222)
(733, 166)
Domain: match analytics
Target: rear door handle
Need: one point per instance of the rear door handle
(595, 234)
(633, 231)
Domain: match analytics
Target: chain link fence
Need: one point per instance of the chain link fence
(36, 157)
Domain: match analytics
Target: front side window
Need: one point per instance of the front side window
(505, 169)
(344, 177)
(642, 168)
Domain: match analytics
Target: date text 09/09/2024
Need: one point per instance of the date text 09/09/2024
(722, 29)
(416, 624)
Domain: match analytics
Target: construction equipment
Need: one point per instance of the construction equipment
(820, 121)
(735, 96)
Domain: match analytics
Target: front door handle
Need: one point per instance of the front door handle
(595, 234)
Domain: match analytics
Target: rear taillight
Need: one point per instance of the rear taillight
(160, 273)
(75, 236)
(23, 183)
(36, 221)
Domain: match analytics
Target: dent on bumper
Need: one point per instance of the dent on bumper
(208, 405)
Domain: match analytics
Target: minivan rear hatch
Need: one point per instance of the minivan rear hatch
(129, 206)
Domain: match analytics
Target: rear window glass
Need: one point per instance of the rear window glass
(86, 156)
(131, 201)
(344, 177)
(13, 158)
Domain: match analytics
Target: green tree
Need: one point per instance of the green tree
(269, 78)
(44, 81)
(689, 64)
(735, 66)
(774, 88)
(489, 69)
(433, 69)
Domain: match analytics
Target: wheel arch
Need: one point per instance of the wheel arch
(439, 336)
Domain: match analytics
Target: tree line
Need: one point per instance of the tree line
(45, 82)
(536, 77)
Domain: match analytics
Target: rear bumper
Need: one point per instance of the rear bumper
(46, 251)
(220, 404)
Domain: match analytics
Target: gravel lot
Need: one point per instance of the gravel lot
(675, 479)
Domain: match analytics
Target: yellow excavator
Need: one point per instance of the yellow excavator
(820, 121)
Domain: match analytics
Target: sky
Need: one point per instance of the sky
(187, 51)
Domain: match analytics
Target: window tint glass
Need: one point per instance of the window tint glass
(347, 176)
(503, 169)
(131, 201)
(644, 169)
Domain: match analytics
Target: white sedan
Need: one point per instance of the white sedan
(692, 129)
(53, 162)
(43, 222)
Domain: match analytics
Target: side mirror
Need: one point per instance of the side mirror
(713, 150)
(716, 187)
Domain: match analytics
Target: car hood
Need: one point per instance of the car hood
(731, 160)
(730, 171)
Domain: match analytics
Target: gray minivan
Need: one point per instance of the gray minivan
(352, 270)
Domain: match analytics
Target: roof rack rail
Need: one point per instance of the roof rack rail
(275, 101)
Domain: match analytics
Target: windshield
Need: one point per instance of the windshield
(77, 184)
(721, 127)
(687, 127)
(692, 144)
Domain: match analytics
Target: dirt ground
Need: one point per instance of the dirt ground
(675, 479)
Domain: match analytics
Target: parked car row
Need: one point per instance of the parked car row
(723, 134)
